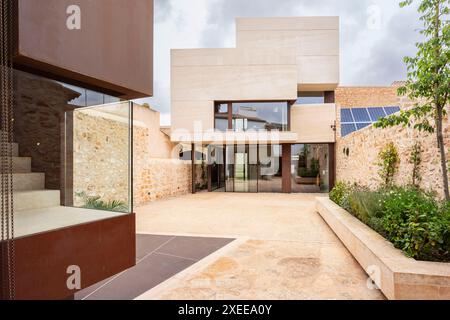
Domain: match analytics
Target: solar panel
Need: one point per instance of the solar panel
(354, 119)
(347, 128)
(346, 115)
(391, 110)
(376, 113)
(362, 125)
(361, 115)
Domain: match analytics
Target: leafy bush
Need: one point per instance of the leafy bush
(415, 223)
(413, 220)
(340, 194)
(368, 207)
(388, 163)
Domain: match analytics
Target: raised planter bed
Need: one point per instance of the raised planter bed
(398, 277)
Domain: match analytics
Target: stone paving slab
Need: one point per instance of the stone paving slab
(284, 249)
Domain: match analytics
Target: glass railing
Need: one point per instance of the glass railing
(98, 157)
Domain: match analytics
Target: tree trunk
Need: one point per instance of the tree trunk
(439, 108)
(441, 145)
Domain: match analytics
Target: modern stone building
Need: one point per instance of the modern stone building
(262, 114)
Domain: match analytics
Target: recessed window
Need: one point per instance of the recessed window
(221, 117)
(255, 116)
(310, 97)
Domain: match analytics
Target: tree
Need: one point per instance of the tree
(428, 79)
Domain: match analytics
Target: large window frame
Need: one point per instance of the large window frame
(230, 117)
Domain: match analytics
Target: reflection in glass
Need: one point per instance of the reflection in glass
(221, 117)
(310, 168)
(314, 97)
(270, 177)
(260, 116)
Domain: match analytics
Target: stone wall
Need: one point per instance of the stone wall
(366, 96)
(100, 155)
(160, 179)
(39, 107)
(360, 166)
(101, 159)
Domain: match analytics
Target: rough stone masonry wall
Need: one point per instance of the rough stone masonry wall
(360, 166)
(101, 162)
(100, 157)
(157, 178)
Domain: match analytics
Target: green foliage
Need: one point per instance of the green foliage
(368, 206)
(388, 163)
(428, 78)
(95, 202)
(413, 222)
(416, 161)
(341, 193)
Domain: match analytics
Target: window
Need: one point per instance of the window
(311, 97)
(221, 117)
(255, 116)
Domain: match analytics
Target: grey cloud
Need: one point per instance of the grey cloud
(386, 56)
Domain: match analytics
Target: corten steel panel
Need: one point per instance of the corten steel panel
(112, 52)
(101, 249)
(286, 168)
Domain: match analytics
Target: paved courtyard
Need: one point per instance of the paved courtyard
(283, 249)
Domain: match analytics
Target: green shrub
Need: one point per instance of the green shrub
(340, 194)
(414, 222)
(388, 163)
(368, 207)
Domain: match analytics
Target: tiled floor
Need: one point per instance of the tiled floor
(158, 258)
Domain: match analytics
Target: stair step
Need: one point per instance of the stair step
(28, 181)
(21, 164)
(15, 149)
(36, 199)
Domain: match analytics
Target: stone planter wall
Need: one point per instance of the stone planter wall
(398, 277)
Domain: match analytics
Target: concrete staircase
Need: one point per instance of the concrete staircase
(29, 187)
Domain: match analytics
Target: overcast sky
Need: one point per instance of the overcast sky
(375, 35)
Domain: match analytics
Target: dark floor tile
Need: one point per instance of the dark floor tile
(193, 247)
(80, 295)
(147, 243)
(151, 271)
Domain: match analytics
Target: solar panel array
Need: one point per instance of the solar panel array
(354, 119)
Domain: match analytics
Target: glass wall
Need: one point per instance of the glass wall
(260, 116)
(253, 168)
(310, 168)
(68, 158)
(221, 117)
(270, 171)
(252, 116)
(98, 157)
